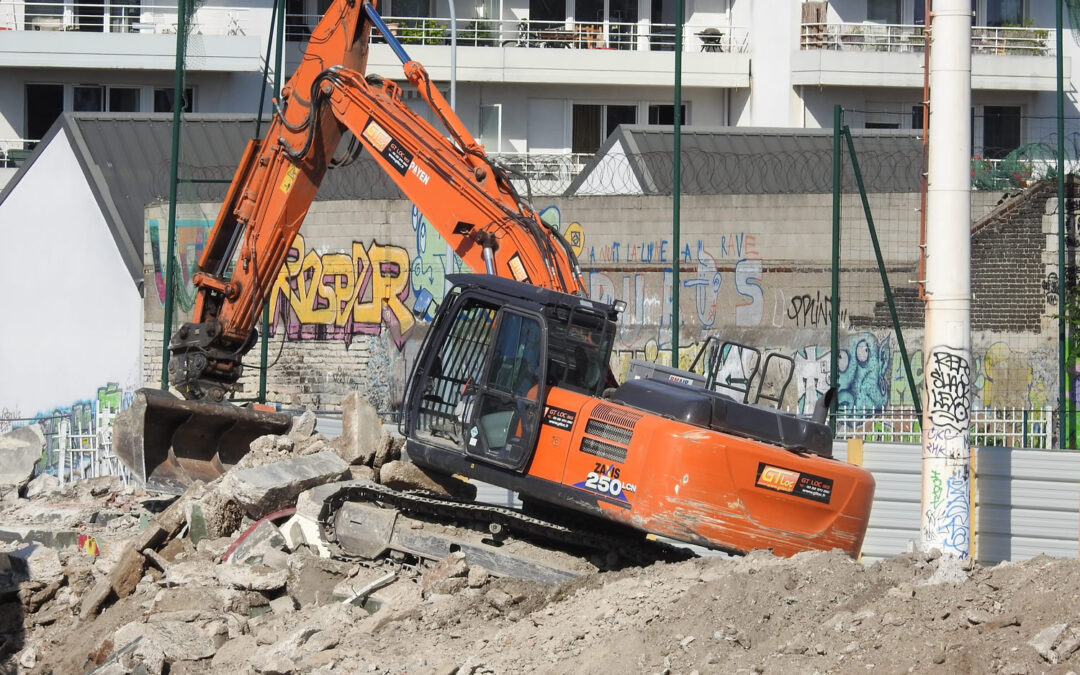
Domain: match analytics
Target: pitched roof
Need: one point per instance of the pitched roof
(743, 160)
(126, 160)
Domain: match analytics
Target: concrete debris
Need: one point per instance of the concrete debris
(42, 484)
(36, 563)
(266, 489)
(303, 426)
(283, 604)
(362, 434)
(258, 543)
(401, 475)
(20, 450)
(252, 577)
(449, 575)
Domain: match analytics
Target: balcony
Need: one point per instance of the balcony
(558, 52)
(858, 54)
(76, 34)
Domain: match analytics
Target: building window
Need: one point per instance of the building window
(665, 114)
(883, 11)
(88, 98)
(44, 103)
(917, 117)
(163, 100)
(1004, 13)
(491, 127)
(1001, 130)
(411, 8)
(593, 123)
(123, 99)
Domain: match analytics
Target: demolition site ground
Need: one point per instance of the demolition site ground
(96, 576)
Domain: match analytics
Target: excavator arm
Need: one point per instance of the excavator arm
(467, 197)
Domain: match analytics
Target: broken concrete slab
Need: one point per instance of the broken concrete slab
(401, 475)
(300, 530)
(42, 484)
(37, 563)
(312, 579)
(251, 577)
(20, 450)
(265, 537)
(303, 426)
(265, 489)
(177, 640)
(449, 575)
(361, 431)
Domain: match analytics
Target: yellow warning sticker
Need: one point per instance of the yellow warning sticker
(290, 178)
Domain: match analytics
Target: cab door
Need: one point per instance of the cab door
(503, 417)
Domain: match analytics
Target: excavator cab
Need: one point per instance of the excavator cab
(493, 352)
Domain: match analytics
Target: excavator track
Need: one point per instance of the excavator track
(605, 551)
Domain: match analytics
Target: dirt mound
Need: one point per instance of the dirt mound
(816, 612)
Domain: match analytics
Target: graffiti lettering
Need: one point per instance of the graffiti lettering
(935, 489)
(339, 296)
(954, 522)
(949, 388)
(812, 311)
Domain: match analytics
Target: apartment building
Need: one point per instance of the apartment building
(546, 80)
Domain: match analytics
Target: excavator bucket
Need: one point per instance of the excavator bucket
(168, 442)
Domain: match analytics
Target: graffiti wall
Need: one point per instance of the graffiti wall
(363, 279)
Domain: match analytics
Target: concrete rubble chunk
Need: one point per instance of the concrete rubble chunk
(361, 431)
(37, 563)
(251, 577)
(177, 640)
(1045, 640)
(401, 475)
(20, 449)
(303, 426)
(265, 489)
(449, 575)
(312, 579)
(361, 472)
(43, 484)
(258, 542)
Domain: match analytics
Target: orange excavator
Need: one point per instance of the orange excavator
(511, 384)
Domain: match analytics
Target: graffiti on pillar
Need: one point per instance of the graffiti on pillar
(948, 384)
(865, 373)
(812, 367)
(947, 520)
(337, 296)
(190, 239)
(434, 260)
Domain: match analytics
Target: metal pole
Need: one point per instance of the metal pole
(174, 164)
(1064, 406)
(834, 318)
(948, 373)
(676, 187)
(264, 338)
(453, 57)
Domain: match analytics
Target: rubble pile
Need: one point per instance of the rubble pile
(234, 577)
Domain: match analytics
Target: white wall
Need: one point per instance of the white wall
(72, 314)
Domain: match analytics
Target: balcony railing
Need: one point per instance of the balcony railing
(544, 34)
(547, 174)
(14, 151)
(873, 37)
(117, 17)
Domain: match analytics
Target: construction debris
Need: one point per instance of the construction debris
(20, 450)
(238, 576)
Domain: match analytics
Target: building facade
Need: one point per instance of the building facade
(546, 81)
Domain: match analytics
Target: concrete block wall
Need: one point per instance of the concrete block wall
(754, 268)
